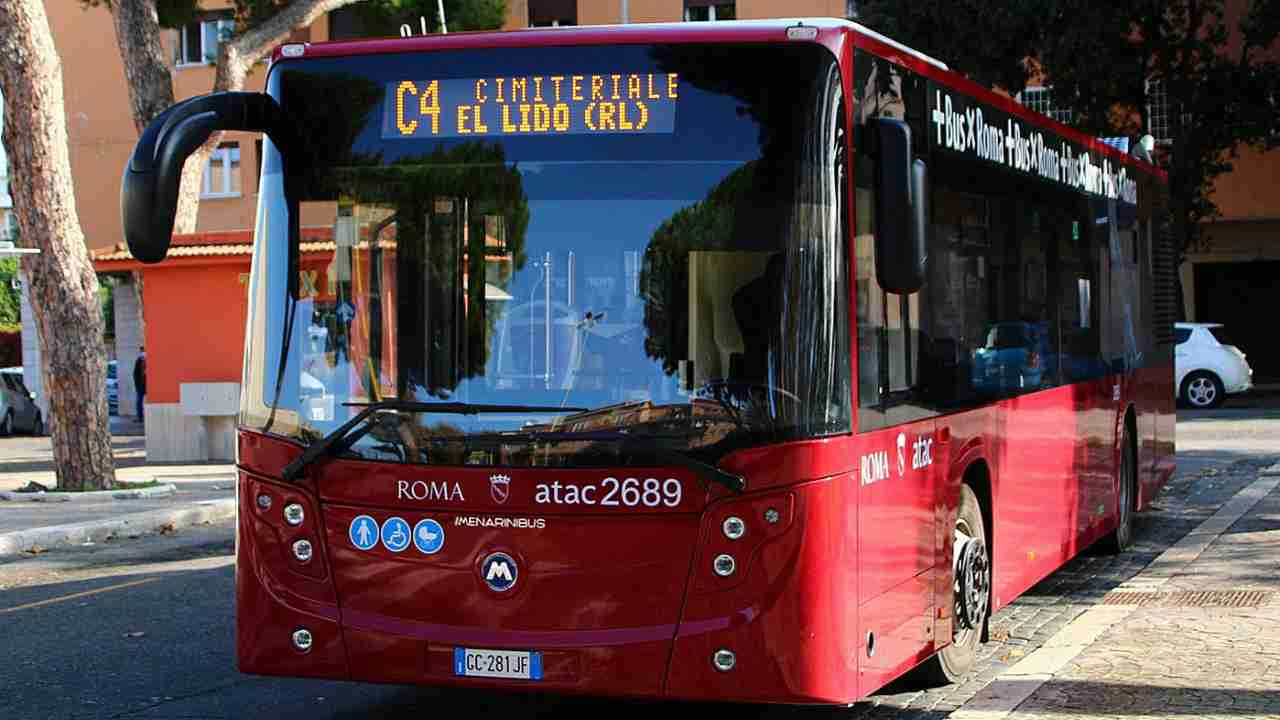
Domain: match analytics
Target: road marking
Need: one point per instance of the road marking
(1001, 697)
(73, 596)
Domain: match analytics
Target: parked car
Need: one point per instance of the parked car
(18, 409)
(113, 389)
(1207, 366)
(1014, 358)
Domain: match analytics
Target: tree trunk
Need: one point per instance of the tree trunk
(63, 286)
(145, 69)
(150, 83)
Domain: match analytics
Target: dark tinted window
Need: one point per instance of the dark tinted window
(1222, 336)
(657, 265)
(1181, 335)
(1014, 298)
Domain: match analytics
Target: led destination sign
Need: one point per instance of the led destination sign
(589, 103)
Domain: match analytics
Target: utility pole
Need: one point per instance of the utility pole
(625, 13)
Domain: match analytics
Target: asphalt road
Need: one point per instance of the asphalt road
(143, 629)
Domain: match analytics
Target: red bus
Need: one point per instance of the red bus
(751, 361)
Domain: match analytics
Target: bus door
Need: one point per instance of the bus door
(899, 471)
(897, 530)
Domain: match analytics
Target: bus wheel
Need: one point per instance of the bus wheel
(1121, 538)
(971, 593)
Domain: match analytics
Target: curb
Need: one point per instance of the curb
(207, 511)
(141, 493)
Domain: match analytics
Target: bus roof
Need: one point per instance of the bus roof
(832, 33)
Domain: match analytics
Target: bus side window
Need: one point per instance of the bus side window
(868, 303)
(890, 342)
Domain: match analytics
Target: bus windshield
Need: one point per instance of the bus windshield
(649, 237)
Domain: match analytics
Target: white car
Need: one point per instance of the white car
(1207, 366)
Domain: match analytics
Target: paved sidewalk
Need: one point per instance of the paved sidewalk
(203, 492)
(1195, 635)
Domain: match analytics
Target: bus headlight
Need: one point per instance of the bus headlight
(733, 527)
(724, 660)
(302, 550)
(724, 565)
(293, 514)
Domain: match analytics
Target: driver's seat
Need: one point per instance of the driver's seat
(757, 307)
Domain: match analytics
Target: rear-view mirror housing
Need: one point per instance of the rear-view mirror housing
(901, 207)
(149, 187)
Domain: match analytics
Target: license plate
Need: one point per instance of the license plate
(509, 664)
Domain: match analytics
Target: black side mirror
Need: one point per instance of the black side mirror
(149, 188)
(902, 208)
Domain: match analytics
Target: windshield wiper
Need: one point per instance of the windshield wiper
(352, 430)
(736, 483)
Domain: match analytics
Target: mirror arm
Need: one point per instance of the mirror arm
(153, 176)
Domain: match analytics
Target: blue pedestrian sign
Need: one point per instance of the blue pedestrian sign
(395, 534)
(428, 536)
(363, 532)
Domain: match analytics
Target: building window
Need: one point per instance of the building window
(198, 41)
(1040, 99)
(695, 10)
(344, 24)
(553, 13)
(222, 174)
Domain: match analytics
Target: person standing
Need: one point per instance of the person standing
(140, 381)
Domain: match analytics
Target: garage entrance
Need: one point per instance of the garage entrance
(1243, 296)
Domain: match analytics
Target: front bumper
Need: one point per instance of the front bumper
(785, 613)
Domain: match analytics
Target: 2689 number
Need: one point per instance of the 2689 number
(634, 493)
(612, 492)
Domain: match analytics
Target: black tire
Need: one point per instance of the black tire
(1119, 539)
(968, 624)
(6, 428)
(37, 427)
(1202, 390)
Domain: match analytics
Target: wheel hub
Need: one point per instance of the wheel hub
(972, 588)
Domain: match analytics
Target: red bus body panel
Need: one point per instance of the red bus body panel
(625, 602)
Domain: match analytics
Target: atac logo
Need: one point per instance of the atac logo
(499, 572)
(499, 488)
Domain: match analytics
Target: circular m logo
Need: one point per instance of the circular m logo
(499, 572)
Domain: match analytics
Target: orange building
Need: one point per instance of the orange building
(195, 303)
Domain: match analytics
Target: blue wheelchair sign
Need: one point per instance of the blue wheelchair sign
(395, 534)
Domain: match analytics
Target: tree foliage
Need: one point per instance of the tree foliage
(1218, 69)
(9, 300)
